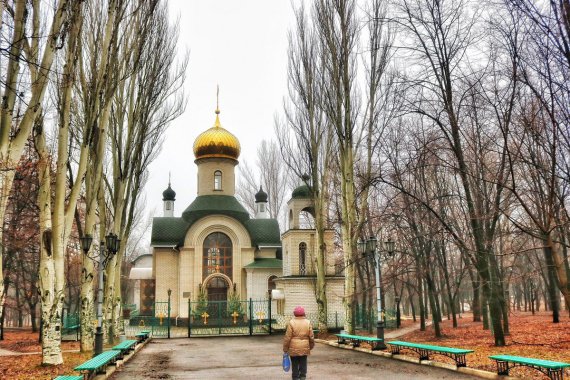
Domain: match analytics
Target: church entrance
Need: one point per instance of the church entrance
(217, 289)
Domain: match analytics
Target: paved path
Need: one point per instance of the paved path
(260, 358)
(392, 334)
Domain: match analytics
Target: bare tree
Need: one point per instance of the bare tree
(305, 142)
(268, 174)
(25, 86)
(143, 107)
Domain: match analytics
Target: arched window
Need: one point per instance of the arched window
(217, 180)
(217, 255)
(271, 283)
(302, 259)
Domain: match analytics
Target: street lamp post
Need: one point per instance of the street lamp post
(169, 292)
(369, 248)
(112, 244)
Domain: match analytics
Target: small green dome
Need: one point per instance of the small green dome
(169, 194)
(302, 191)
(261, 196)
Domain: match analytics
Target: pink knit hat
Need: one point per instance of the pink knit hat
(299, 311)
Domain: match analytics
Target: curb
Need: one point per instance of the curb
(408, 359)
(112, 369)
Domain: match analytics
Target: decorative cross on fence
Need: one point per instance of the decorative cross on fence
(205, 316)
(235, 314)
(260, 315)
(160, 317)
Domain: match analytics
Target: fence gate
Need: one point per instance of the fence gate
(157, 321)
(229, 317)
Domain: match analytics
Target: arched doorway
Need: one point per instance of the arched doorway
(217, 289)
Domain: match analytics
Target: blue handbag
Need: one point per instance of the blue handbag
(286, 362)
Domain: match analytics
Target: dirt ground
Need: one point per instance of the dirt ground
(259, 357)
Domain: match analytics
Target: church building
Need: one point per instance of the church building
(216, 246)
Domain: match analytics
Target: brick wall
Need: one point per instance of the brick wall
(206, 169)
(166, 275)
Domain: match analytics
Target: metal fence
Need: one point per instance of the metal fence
(233, 317)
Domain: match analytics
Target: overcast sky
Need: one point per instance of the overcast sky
(242, 46)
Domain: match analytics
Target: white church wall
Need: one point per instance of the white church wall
(186, 275)
(166, 276)
(265, 253)
(258, 287)
(300, 292)
(143, 261)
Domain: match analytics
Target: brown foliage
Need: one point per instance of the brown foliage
(29, 366)
(531, 336)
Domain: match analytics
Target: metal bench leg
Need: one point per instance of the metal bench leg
(460, 360)
(379, 346)
(395, 350)
(424, 354)
(555, 374)
(502, 368)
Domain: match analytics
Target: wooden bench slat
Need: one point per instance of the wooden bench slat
(69, 377)
(531, 361)
(98, 361)
(430, 347)
(127, 344)
(359, 337)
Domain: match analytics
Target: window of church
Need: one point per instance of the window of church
(262, 207)
(168, 206)
(217, 180)
(271, 283)
(302, 259)
(281, 307)
(217, 255)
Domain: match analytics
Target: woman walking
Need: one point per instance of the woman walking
(298, 342)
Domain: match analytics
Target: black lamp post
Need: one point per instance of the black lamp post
(370, 249)
(397, 299)
(169, 291)
(112, 243)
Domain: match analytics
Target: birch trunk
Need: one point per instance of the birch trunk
(97, 105)
(13, 137)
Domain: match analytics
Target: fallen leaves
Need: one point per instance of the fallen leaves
(531, 336)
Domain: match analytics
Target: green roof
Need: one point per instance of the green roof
(205, 205)
(265, 263)
(170, 231)
(302, 191)
(263, 232)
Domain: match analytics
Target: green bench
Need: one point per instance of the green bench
(69, 377)
(356, 339)
(125, 347)
(554, 370)
(457, 354)
(98, 364)
(142, 336)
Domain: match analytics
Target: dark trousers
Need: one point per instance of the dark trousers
(299, 367)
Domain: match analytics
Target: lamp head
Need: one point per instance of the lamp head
(111, 243)
(361, 245)
(169, 291)
(389, 244)
(371, 244)
(86, 241)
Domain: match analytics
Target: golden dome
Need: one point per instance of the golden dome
(216, 142)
